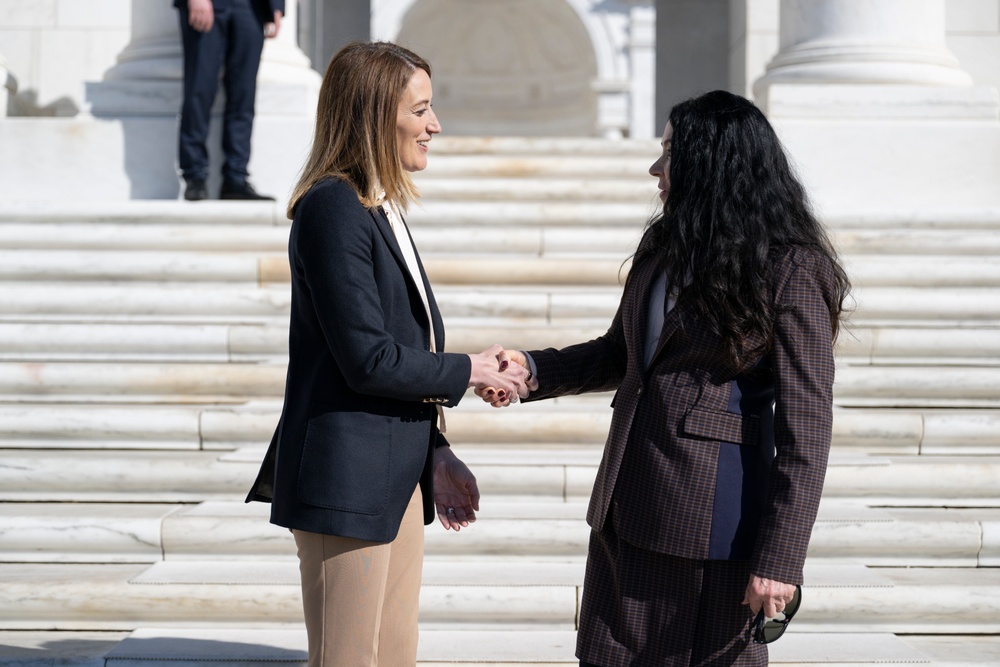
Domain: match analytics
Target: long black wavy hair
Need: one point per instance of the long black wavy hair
(734, 207)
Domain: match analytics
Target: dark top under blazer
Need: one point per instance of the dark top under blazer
(359, 423)
(264, 9)
(711, 470)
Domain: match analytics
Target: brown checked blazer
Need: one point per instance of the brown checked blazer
(705, 460)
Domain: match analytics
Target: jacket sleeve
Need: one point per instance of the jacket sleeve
(597, 365)
(332, 249)
(803, 365)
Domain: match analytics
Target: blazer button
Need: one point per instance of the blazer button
(638, 391)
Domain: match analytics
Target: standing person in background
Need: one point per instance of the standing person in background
(722, 357)
(222, 36)
(359, 459)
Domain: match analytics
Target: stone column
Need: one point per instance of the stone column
(869, 43)
(145, 80)
(8, 86)
(286, 83)
(327, 25)
(154, 52)
(642, 59)
(876, 113)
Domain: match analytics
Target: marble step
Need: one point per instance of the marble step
(133, 341)
(235, 382)
(246, 647)
(485, 305)
(592, 188)
(541, 473)
(525, 531)
(533, 147)
(482, 593)
(102, 266)
(497, 268)
(466, 214)
(570, 420)
(112, 303)
(956, 220)
(435, 233)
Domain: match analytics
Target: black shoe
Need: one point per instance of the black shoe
(241, 190)
(195, 190)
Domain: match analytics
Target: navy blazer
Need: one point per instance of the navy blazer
(705, 460)
(264, 9)
(359, 421)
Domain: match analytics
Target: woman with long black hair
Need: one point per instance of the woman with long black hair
(721, 354)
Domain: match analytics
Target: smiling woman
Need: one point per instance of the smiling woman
(359, 461)
(416, 122)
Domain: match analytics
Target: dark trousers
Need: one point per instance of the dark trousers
(233, 47)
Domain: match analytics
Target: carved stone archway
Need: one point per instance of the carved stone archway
(520, 67)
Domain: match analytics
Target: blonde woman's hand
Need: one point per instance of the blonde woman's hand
(456, 494)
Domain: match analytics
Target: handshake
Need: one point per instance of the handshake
(500, 376)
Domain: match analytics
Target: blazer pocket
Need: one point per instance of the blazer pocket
(722, 427)
(346, 460)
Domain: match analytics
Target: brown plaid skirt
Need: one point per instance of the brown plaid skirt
(642, 608)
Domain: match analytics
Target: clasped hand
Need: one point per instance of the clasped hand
(510, 362)
(496, 379)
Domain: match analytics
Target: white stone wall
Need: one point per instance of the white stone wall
(53, 46)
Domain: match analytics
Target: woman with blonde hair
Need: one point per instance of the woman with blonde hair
(359, 459)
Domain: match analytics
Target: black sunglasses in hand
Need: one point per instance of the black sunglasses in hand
(767, 630)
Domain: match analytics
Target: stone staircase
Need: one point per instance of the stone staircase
(142, 354)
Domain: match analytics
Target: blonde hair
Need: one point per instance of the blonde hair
(355, 136)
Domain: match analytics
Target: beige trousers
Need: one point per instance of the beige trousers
(361, 598)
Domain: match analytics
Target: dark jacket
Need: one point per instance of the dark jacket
(359, 422)
(698, 464)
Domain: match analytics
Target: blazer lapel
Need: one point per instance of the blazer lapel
(382, 223)
(638, 310)
(436, 322)
(639, 305)
(385, 228)
(671, 322)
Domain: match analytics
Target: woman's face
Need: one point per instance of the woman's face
(415, 122)
(661, 168)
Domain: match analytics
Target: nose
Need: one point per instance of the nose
(434, 126)
(656, 169)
